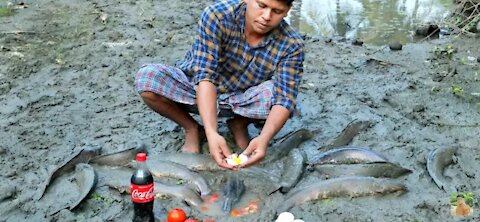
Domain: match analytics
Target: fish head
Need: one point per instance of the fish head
(93, 149)
(307, 134)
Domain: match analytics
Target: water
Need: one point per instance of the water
(376, 22)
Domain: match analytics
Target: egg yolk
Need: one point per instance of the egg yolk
(237, 160)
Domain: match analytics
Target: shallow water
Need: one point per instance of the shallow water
(376, 22)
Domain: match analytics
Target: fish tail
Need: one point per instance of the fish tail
(227, 205)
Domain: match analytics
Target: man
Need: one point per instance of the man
(245, 60)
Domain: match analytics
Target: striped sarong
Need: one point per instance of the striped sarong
(172, 83)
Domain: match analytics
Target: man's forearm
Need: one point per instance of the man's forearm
(207, 105)
(276, 119)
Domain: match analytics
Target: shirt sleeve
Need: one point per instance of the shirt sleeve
(206, 50)
(287, 80)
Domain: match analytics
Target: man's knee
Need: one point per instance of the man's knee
(150, 96)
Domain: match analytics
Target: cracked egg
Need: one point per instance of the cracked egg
(235, 159)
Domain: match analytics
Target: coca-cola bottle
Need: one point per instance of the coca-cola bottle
(141, 190)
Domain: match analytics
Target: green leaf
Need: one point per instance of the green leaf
(457, 90)
(180, 182)
(5, 11)
(469, 198)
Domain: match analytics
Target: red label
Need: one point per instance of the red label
(142, 193)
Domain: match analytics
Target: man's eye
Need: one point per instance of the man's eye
(261, 5)
(277, 11)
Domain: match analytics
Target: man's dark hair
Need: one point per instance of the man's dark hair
(288, 2)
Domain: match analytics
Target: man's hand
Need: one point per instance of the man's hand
(207, 101)
(256, 151)
(219, 150)
(257, 148)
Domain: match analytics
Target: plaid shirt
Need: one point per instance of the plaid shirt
(221, 55)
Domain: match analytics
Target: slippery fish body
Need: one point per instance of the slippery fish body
(342, 187)
(232, 192)
(175, 170)
(119, 179)
(389, 170)
(86, 179)
(120, 158)
(293, 170)
(437, 160)
(193, 161)
(347, 155)
(347, 134)
(82, 156)
(290, 142)
(269, 180)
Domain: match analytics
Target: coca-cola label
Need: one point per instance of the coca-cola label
(142, 193)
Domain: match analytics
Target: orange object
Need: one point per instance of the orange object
(204, 208)
(176, 215)
(235, 213)
(212, 198)
(192, 220)
(462, 208)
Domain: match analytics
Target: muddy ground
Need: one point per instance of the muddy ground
(66, 81)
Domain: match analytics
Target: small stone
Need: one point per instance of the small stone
(427, 30)
(421, 31)
(2, 150)
(357, 42)
(419, 108)
(10, 173)
(8, 189)
(395, 46)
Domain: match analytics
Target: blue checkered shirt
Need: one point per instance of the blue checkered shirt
(221, 55)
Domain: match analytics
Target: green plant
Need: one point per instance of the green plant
(446, 51)
(327, 201)
(97, 197)
(457, 90)
(180, 182)
(469, 198)
(5, 11)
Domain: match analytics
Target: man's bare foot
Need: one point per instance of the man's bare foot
(192, 140)
(238, 127)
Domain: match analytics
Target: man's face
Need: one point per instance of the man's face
(264, 15)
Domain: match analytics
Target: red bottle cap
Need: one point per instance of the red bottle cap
(141, 157)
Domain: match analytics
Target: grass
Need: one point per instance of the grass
(469, 198)
(5, 11)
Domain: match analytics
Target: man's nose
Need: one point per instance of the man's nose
(267, 15)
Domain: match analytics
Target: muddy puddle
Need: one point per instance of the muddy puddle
(375, 22)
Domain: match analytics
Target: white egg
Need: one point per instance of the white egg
(231, 162)
(298, 220)
(285, 217)
(235, 159)
(243, 158)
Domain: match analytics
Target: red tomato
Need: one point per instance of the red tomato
(176, 215)
(192, 220)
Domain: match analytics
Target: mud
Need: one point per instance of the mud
(66, 81)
